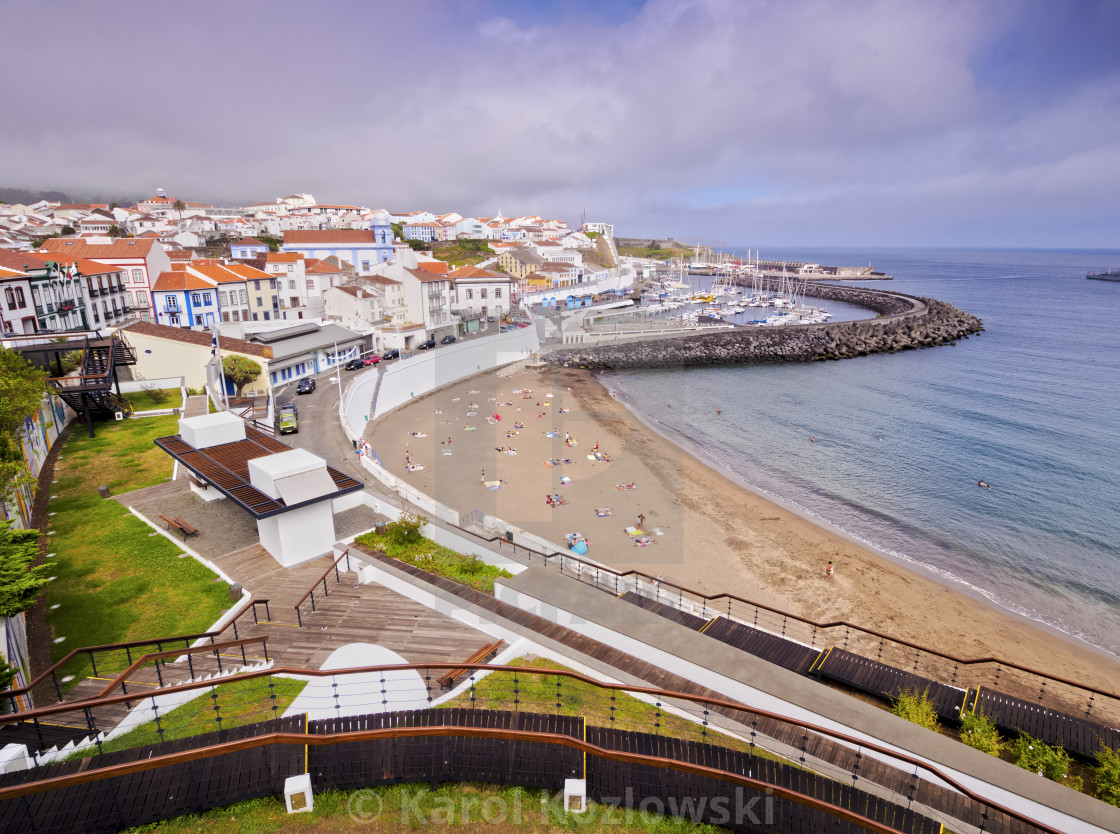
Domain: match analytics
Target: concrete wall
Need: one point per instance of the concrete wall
(424, 372)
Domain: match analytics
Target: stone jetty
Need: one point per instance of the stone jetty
(904, 323)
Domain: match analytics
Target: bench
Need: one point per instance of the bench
(180, 525)
(448, 677)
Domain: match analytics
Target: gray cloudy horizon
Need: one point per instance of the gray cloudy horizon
(809, 122)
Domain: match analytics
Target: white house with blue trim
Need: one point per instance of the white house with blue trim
(363, 248)
(183, 299)
(248, 247)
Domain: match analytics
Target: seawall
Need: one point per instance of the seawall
(904, 323)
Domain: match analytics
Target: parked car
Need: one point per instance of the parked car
(289, 420)
(392, 353)
(522, 324)
(305, 386)
(355, 364)
(447, 340)
(431, 343)
(372, 359)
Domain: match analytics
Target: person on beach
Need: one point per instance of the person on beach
(641, 521)
(828, 570)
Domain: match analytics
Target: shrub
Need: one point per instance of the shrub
(406, 530)
(1107, 776)
(977, 730)
(917, 708)
(158, 395)
(1052, 762)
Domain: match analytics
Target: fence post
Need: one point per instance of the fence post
(299, 619)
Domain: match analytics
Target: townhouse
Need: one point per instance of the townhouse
(364, 248)
(248, 247)
(141, 261)
(183, 299)
(480, 294)
(17, 313)
(520, 261)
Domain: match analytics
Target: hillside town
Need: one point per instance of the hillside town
(384, 275)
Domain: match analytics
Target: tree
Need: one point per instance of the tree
(398, 230)
(115, 231)
(241, 370)
(179, 205)
(273, 242)
(68, 230)
(22, 387)
(19, 582)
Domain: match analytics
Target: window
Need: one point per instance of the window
(260, 303)
(497, 292)
(196, 299)
(292, 284)
(482, 293)
(256, 285)
(21, 302)
(10, 297)
(223, 299)
(294, 301)
(470, 294)
(311, 284)
(172, 301)
(173, 321)
(272, 283)
(290, 267)
(138, 276)
(142, 298)
(365, 266)
(244, 297)
(206, 299)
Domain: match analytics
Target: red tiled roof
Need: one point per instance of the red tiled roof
(326, 236)
(438, 267)
(181, 280)
(424, 275)
(120, 248)
(198, 337)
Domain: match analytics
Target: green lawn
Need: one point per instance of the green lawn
(539, 693)
(442, 561)
(144, 401)
(413, 807)
(114, 582)
(239, 702)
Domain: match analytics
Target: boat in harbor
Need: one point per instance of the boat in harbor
(1107, 275)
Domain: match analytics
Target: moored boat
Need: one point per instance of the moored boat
(1107, 275)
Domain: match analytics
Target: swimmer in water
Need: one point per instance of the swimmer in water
(719, 411)
(982, 484)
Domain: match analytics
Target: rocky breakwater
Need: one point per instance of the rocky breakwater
(904, 323)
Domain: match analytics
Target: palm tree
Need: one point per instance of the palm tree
(179, 205)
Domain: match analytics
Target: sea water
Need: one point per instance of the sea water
(890, 448)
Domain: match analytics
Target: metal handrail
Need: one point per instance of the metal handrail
(12, 694)
(396, 732)
(322, 579)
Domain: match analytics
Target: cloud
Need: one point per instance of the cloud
(801, 121)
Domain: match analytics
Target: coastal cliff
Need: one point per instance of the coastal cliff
(904, 323)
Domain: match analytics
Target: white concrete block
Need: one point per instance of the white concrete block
(575, 795)
(14, 757)
(212, 429)
(297, 794)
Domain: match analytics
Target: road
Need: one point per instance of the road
(319, 429)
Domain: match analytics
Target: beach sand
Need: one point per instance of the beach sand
(715, 537)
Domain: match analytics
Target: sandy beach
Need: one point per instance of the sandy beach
(701, 529)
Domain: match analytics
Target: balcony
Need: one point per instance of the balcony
(172, 311)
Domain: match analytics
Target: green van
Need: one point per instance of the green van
(289, 422)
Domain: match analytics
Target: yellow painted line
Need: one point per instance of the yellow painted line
(821, 659)
(964, 706)
(585, 752)
(306, 732)
(712, 620)
(145, 683)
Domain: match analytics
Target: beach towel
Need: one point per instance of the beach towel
(573, 442)
(472, 413)
(634, 531)
(549, 395)
(564, 410)
(551, 434)
(456, 399)
(447, 451)
(419, 434)
(493, 484)
(657, 531)
(603, 512)
(552, 462)
(415, 467)
(624, 486)
(473, 391)
(565, 480)
(470, 428)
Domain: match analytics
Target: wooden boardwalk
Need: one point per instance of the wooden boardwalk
(1079, 736)
(666, 611)
(788, 654)
(887, 681)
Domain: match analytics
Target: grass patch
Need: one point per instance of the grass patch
(654, 254)
(539, 693)
(409, 807)
(977, 730)
(144, 401)
(456, 256)
(239, 703)
(442, 561)
(113, 581)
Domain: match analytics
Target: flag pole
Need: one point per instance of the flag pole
(216, 354)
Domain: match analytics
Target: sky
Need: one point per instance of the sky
(735, 122)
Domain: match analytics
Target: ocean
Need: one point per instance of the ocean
(1031, 406)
